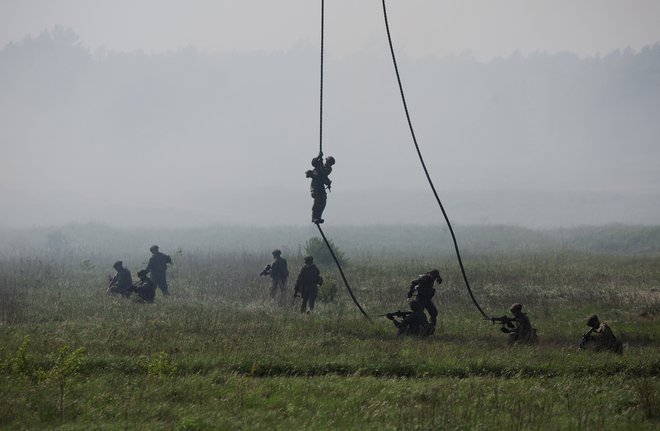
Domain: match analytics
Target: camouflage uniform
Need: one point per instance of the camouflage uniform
(320, 180)
(157, 266)
(423, 285)
(121, 282)
(414, 323)
(523, 332)
(601, 337)
(307, 284)
(145, 288)
(279, 274)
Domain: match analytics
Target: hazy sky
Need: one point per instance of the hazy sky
(487, 28)
(214, 135)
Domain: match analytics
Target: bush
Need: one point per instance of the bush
(327, 291)
(316, 247)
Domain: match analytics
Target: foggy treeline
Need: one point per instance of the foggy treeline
(103, 244)
(190, 138)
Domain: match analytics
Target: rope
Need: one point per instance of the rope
(321, 84)
(327, 243)
(342, 274)
(421, 159)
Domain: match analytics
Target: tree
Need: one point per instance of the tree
(317, 248)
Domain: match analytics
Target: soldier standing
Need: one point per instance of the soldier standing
(423, 287)
(601, 337)
(122, 281)
(320, 180)
(279, 274)
(157, 266)
(307, 284)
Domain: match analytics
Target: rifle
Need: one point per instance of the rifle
(266, 270)
(585, 339)
(506, 322)
(398, 313)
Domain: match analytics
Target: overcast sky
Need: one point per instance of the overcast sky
(486, 28)
(212, 135)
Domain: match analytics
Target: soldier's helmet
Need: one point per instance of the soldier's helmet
(436, 275)
(309, 259)
(142, 273)
(153, 248)
(118, 264)
(277, 252)
(516, 308)
(415, 305)
(593, 321)
(330, 160)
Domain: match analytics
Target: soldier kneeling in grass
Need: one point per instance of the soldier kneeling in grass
(518, 327)
(412, 322)
(144, 288)
(122, 282)
(600, 337)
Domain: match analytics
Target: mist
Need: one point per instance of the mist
(188, 137)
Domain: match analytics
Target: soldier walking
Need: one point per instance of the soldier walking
(307, 285)
(279, 274)
(157, 266)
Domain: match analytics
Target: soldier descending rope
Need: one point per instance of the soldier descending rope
(320, 181)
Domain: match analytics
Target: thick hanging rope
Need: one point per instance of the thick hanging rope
(321, 85)
(341, 271)
(342, 274)
(421, 159)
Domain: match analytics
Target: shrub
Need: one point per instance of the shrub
(327, 291)
(317, 248)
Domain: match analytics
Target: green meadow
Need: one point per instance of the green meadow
(220, 354)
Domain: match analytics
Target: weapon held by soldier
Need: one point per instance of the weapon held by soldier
(518, 327)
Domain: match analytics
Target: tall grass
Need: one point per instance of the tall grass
(219, 353)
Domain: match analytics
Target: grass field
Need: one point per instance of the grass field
(219, 354)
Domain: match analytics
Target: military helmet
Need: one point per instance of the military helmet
(592, 320)
(434, 273)
(153, 248)
(309, 259)
(330, 160)
(118, 264)
(516, 308)
(277, 252)
(142, 273)
(415, 305)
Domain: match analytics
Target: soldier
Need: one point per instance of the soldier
(320, 180)
(413, 323)
(601, 337)
(519, 327)
(279, 274)
(423, 286)
(307, 284)
(157, 266)
(122, 281)
(144, 288)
